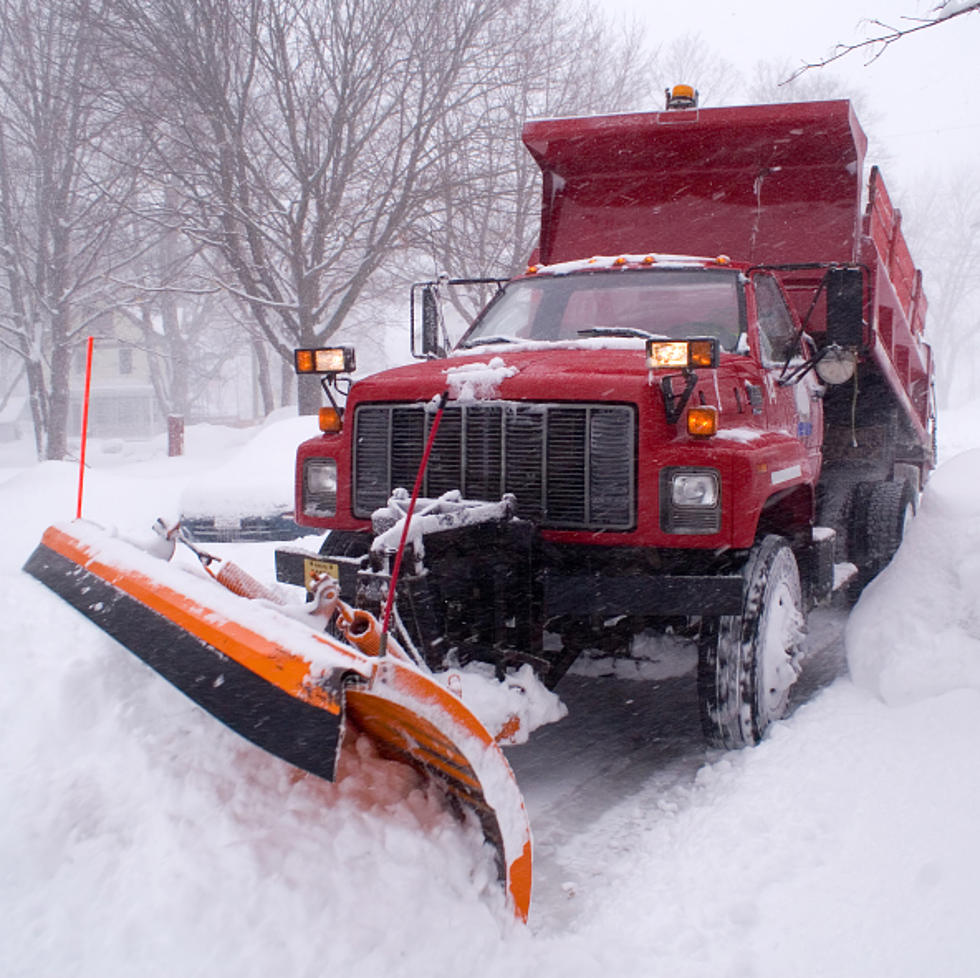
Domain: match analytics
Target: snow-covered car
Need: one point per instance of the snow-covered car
(249, 496)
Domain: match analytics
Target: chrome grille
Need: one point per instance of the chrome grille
(569, 465)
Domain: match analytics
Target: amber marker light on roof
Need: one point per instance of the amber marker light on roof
(702, 422)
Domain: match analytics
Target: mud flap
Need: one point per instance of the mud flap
(286, 687)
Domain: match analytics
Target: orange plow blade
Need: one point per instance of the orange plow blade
(286, 686)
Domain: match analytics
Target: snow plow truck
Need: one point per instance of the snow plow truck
(705, 404)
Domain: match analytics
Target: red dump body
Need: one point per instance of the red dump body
(767, 184)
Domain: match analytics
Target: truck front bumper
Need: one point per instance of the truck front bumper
(566, 593)
(579, 595)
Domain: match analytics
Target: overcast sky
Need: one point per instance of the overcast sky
(925, 89)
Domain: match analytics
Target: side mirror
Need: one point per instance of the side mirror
(845, 307)
(430, 322)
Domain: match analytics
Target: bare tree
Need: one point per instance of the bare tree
(181, 319)
(60, 196)
(884, 35)
(944, 225)
(484, 209)
(767, 84)
(302, 136)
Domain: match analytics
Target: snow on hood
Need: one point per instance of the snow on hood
(915, 633)
(477, 381)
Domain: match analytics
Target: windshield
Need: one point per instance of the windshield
(670, 303)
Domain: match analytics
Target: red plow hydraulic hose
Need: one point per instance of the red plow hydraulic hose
(444, 397)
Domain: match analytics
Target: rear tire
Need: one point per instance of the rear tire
(748, 662)
(886, 511)
(890, 510)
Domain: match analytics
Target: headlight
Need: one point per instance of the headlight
(690, 501)
(694, 489)
(320, 487)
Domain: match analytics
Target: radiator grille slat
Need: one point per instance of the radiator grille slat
(445, 463)
(372, 438)
(569, 465)
(524, 476)
(483, 454)
(408, 432)
(610, 441)
(568, 491)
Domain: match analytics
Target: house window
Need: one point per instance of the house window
(125, 360)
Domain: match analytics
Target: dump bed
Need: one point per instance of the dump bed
(761, 183)
(775, 185)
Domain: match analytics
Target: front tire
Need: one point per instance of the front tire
(748, 662)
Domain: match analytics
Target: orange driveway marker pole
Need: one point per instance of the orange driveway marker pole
(85, 400)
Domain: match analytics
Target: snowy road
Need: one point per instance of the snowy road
(625, 739)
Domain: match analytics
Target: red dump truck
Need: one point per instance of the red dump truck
(708, 393)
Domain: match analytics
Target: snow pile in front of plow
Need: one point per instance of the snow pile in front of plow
(915, 633)
(516, 705)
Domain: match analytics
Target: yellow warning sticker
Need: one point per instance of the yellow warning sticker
(315, 567)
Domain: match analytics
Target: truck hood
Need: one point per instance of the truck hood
(592, 370)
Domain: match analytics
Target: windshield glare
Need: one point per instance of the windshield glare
(670, 303)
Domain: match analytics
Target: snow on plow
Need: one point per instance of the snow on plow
(272, 674)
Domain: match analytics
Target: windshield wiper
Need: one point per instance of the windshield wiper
(618, 331)
(487, 340)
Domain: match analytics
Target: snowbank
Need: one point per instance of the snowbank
(257, 480)
(916, 630)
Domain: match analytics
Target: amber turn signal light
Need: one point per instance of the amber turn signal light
(329, 420)
(702, 422)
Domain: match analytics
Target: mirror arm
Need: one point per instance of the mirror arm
(802, 370)
(674, 404)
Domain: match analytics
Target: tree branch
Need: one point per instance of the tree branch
(878, 44)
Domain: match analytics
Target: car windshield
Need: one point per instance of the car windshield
(671, 303)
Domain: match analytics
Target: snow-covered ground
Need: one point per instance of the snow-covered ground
(138, 837)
